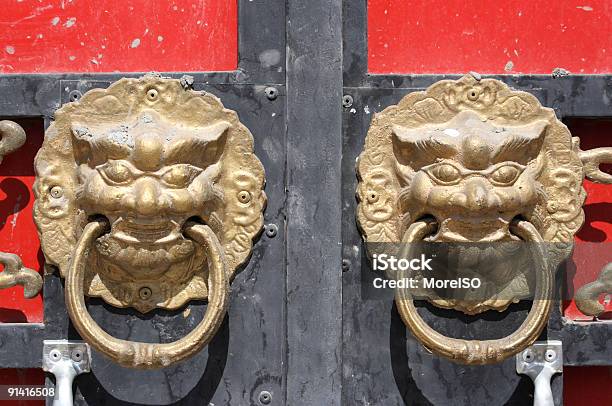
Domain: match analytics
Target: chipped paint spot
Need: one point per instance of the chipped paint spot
(135, 43)
(509, 66)
(269, 57)
(55, 21)
(72, 57)
(585, 8)
(160, 38)
(71, 21)
(10, 50)
(366, 109)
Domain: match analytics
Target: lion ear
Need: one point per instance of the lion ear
(82, 142)
(202, 146)
(418, 147)
(523, 143)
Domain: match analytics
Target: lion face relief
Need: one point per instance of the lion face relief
(151, 158)
(472, 176)
(148, 179)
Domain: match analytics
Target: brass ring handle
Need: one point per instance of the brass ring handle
(141, 355)
(12, 137)
(476, 352)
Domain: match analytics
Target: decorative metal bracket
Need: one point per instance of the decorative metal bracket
(65, 360)
(148, 195)
(12, 137)
(16, 274)
(469, 162)
(540, 362)
(587, 296)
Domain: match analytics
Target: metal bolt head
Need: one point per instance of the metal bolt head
(55, 355)
(347, 100)
(528, 355)
(265, 397)
(56, 192)
(145, 293)
(550, 355)
(74, 95)
(271, 230)
(244, 196)
(77, 355)
(152, 94)
(271, 93)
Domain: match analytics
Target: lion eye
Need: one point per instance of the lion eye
(117, 173)
(445, 173)
(505, 175)
(180, 176)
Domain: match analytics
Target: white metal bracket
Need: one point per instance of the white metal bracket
(540, 362)
(65, 360)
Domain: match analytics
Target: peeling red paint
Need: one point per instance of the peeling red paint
(458, 36)
(100, 36)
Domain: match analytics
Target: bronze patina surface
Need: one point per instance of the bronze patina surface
(147, 157)
(473, 161)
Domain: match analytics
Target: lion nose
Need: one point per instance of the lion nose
(476, 193)
(147, 197)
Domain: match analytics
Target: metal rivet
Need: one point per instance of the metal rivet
(265, 397)
(472, 94)
(244, 196)
(271, 230)
(372, 196)
(347, 100)
(77, 355)
(74, 95)
(152, 94)
(528, 356)
(271, 93)
(346, 265)
(56, 192)
(55, 355)
(550, 355)
(145, 293)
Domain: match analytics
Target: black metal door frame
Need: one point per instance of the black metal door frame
(322, 46)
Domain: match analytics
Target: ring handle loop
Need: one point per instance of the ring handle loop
(477, 352)
(133, 354)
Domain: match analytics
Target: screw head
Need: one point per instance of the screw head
(77, 355)
(550, 355)
(145, 293)
(74, 95)
(347, 100)
(271, 230)
(55, 355)
(265, 397)
(56, 192)
(244, 196)
(271, 93)
(528, 355)
(152, 94)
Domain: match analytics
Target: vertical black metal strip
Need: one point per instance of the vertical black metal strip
(355, 42)
(314, 150)
(261, 41)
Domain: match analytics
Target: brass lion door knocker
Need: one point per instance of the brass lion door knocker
(148, 195)
(475, 161)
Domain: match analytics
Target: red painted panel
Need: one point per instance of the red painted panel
(586, 386)
(118, 35)
(17, 230)
(22, 377)
(513, 36)
(594, 241)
